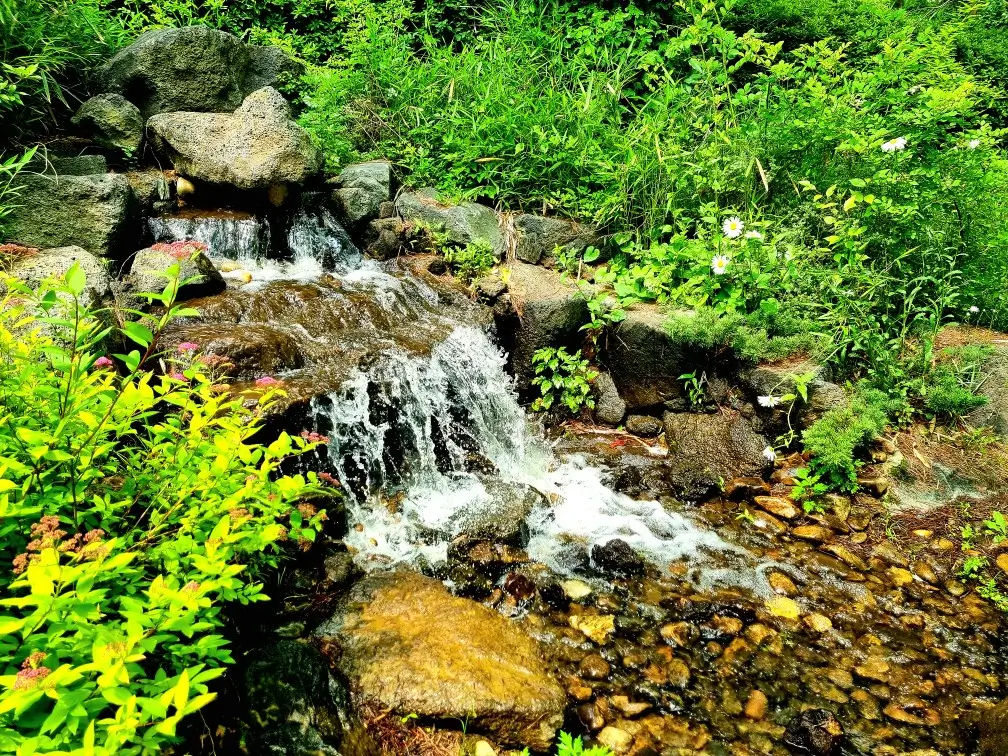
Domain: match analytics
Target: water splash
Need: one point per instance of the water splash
(231, 236)
(315, 234)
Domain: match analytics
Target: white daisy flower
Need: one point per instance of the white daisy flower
(719, 264)
(974, 310)
(768, 401)
(974, 143)
(894, 145)
(733, 227)
(769, 454)
(753, 235)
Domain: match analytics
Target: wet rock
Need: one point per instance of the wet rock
(54, 263)
(644, 361)
(816, 732)
(363, 189)
(96, 212)
(993, 726)
(596, 627)
(463, 223)
(874, 486)
(489, 287)
(912, 711)
(813, 533)
(594, 667)
(340, 569)
(756, 705)
(549, 313)
(251, 350)
(152, 190)
(148, 273)
(519, 587)
(113, 121)
(891, 555)
(616, 740)
(782, 584)
(411, 647)
(707, 449)
(538, 236)
(616, 557)
(644, 426)
(846, 556)
(783, 607)
(500, 517)
(899, 576)
(576, 590)
(292, 701)
(269, 67)
(589, 716)
(677, 673)
(193, 68)
(778, 506)
(873, 668)
(628, 708)
(1002, 562)
(609, 407)
(256, 147)
(744, 489)
(679, 634)
(817, 623)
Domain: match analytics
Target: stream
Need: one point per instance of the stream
(402, 373)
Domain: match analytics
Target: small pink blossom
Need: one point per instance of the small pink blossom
(180, 250)
(267, 380)
(178, 377)
(102, 363)
(315, 438)
(187, 347)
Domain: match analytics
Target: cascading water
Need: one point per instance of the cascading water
(428, 412)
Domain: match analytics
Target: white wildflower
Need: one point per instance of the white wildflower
(974, 310)
(733, 227)
(894, 145)
(753, 235)
(768, 401)
(770, 454)
(719, 264)
(974, 143)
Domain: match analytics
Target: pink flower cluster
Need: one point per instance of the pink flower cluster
(32, 672)
(315, 438)
(102, 363)
(329, 478)
(267, 380)
(180, 250)
(47, 534)
(187, 347)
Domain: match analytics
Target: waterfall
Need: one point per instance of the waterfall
(233, 236)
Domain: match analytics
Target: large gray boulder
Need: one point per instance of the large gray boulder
(54, 264)
(410, 647)
(707, 450)
(550, 312)
(194, 68)
(644, 361)
(149, 272)
(363, 188)
(113, 121)
(96, 212)
(464, 223)
(538, 236)
(257, 146)
(268, 66)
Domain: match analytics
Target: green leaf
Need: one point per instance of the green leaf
(76, 280)
(138, 333)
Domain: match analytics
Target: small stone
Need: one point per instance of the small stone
(575, 590)
(900, 576)
(579, 691)
(778, 506)
(616, 740)
(594, 667)
(758, 632)
(590, 717)
(875, 486)
(783, 607)
(597, 628)
(846, 556)
(678, 673)
(782, 584)
(756, 705)
(911, 711)
(727, 625)
(813, 533)
(628, 708)
(923, 534)
(925, 572)
(890, 555)
(840, 677)
(617, 557)
(645, 426)
(1002, 562)
(858, 538)
(437, 266)
(743, 489)
(482, 748)
(814, 731)
(818, 623)
(955, 588)
(679, 634)
(873, 668)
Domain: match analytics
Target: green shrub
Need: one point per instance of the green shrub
(950, 386)
(471, 261)
(563, 379)
(835, 439)
(132, 509)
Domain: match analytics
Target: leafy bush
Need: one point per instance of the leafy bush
(132, 509)
(562, 378)
(834, 439)
(950, 386)
(471, 261)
